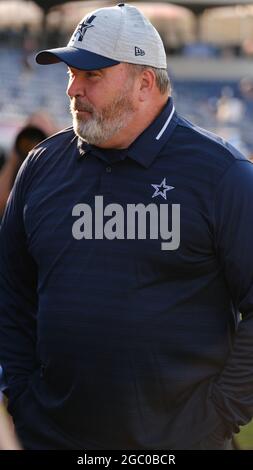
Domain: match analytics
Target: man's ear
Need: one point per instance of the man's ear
(147, 84)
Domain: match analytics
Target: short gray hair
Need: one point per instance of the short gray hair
(161, 76)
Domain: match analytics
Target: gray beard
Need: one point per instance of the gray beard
(103, 125)
(95, 132)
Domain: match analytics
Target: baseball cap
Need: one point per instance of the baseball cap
(108, 36)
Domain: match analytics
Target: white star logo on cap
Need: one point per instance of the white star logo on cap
(161, 189)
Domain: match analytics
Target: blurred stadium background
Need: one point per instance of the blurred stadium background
(209, 45)
(210, 52)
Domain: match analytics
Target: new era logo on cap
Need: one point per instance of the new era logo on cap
(139, 51)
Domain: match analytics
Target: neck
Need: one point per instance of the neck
(140, 121)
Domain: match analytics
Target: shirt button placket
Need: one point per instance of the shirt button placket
(106, 180)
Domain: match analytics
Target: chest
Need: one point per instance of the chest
(158, 216)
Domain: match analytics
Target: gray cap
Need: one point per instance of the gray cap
(108, 36)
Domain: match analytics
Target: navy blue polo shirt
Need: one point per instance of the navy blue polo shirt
(111, 343)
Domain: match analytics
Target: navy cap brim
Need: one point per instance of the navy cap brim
(74, 57)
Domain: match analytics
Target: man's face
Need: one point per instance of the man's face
(101, 102)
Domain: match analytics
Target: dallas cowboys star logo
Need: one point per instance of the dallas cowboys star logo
(82, 28)
(161, 189)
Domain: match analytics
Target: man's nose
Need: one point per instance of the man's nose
(76, 87)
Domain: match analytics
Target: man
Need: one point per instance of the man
(125, 261)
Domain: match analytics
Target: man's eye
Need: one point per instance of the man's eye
(92, 74)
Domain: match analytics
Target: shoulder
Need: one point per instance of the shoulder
(62, 135)
(198, 141)
(47, 156)
(55, 141)
(55, 148)
(220, 157)
(202, 154)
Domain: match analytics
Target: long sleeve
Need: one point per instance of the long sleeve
(233, 391)
(18, 299)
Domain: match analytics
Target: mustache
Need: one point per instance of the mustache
(78, 105)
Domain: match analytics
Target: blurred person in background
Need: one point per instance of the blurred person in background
(230, 109)
(2, 158)
(110, 340)
(38, 127)
(26, 139)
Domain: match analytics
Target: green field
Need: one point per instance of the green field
(245, 438)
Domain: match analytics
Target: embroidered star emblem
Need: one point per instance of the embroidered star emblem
(161, 189)
(82, 28)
